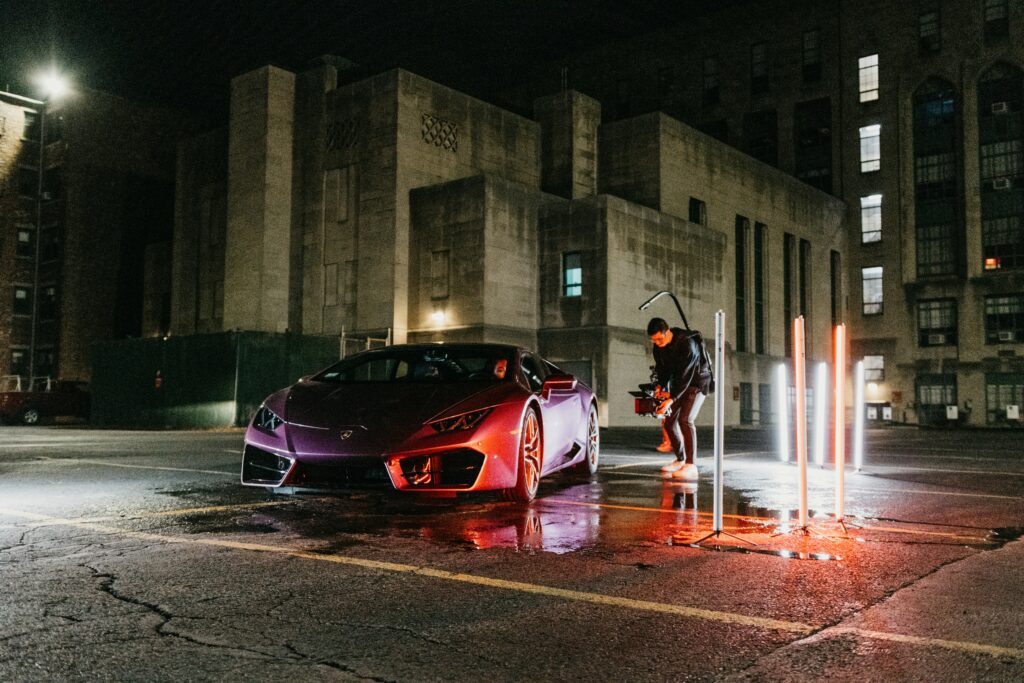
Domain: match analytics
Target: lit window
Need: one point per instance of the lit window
(868, 78)
(871, 279)
(871, 218)
(572, 274)
(870, 148)
(26, 245)
(874, 368)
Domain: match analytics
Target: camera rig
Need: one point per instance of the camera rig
(647, 399)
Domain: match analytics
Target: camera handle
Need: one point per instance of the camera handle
(660, 294)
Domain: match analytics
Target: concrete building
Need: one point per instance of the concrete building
(107, 195)
(395, 205)
(912, 113)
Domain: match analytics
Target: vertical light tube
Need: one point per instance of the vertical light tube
(719, 417)
(858, 416)
(820, 411)
(782, 408)
(839, 412)
(800, 413)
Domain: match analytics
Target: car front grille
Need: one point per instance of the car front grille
(449, 470)
(370, 472)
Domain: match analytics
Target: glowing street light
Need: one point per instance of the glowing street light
(858, 415)
(782, 409)
(52, 84)
(820, 411)
(438, 317)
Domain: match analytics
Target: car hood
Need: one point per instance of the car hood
(398, 409)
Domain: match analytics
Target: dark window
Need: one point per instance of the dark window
(742, 228)
(835, 285)
(28, 182)
(572, 274)
(764, 403)
(623, 99)
(871, 290)
(50, 246)
(1004, 319)
(788, 242)
(26, 246)
(665, 82)
(52, 183)
(929, 38)
(760, 238)
(811, 56)
(937, 322)
(746, 403)
(48, 303)
(997, 20)
(31, 130)
(698, 212)
(761, 136)
(19, 362)
(710, 81)
(439, 274)
(46, 362)
(934, 393)
(1003, 389)
(805, 277)
(938, 213)
(1001, 138)
(22, 301)
(758, 68)
(813, 143)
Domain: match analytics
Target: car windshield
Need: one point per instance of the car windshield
(441, 366)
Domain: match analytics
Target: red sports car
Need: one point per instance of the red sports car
(426, 417)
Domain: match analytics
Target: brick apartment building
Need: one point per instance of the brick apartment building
(107, 195)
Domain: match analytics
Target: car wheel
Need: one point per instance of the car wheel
(588, 466)
(531, 455)
(30, 416)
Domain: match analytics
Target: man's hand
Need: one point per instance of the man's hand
(659, 392)
(664, 406)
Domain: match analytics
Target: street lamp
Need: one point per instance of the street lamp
(53, 86)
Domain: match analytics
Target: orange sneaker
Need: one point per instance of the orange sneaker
(664, 447)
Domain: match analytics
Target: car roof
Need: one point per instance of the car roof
(460, 346)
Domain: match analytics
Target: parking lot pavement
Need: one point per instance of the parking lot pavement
(137, 555)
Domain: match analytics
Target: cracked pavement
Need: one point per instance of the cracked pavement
(137, 556)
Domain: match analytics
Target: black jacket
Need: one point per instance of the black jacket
(677, 364)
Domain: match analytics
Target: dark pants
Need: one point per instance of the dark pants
(679, 424)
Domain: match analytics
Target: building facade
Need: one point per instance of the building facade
(73, 263)
(911, 112)
(395, 206)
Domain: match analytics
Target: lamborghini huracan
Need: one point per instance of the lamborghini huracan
(441, 418)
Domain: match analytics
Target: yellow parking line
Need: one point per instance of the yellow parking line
(976, 648)
(536, 589)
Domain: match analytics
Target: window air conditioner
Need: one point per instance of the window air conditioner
(1000, 108)
(936, 339)
(1001, 184)
(1007, 336)
(1013, 412)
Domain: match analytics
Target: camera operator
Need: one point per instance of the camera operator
(677, 364)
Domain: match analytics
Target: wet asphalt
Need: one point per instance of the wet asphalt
(138, 556)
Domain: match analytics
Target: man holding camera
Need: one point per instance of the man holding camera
(683, 386)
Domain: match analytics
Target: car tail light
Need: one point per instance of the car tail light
(458, 423)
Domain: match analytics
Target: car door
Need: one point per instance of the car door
(560, 412)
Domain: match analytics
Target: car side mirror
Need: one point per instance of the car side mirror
(557, 383)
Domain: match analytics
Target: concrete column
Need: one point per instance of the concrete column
(257, 261)
(569, 121)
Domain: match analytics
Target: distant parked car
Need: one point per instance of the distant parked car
(32, 401)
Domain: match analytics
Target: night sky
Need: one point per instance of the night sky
(184, 52)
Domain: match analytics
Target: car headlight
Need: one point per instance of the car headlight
(266, 420)
(459, 423)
